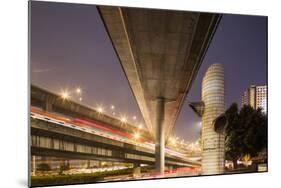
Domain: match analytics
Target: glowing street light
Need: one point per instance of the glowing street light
(136, 136)
(100, 109)
(123, 119)
(134, 117)
(140, 126)
(65, 95)
(78, 90)
(112, 107)
(80, 98)
(173, 141)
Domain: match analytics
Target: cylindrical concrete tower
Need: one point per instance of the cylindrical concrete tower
(213, 93)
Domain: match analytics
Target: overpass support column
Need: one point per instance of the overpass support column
(160, 136)
(136, 170)
(88, 163)
(33, 165)
(48, 106)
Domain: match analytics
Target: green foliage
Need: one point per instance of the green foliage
(246, 133)
(146, 169)
(75, 178)
(64, 167)
(62, 179)
(43, 167)
(232, 134)
(255, 125)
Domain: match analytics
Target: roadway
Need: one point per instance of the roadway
(98, 129)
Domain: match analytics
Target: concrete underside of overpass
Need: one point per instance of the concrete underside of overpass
(160, 52)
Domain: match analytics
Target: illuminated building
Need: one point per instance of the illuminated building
(256, 96)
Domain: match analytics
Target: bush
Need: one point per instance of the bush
(75, 178)
(44, 167)
(63, 168)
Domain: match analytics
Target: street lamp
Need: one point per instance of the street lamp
(123, 119)
(65, 95)
(136, 136)
(100, 109)
(173, 141)
(78, 90)
(140, 126)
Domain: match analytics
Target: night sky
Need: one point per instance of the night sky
(70, 48)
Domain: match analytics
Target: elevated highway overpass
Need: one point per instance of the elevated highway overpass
(52, 102)
(54, 139)
(66, 129)
(160, 52)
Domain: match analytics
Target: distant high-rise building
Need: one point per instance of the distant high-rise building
(256, 96)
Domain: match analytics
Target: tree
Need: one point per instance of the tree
(232, 135)
(64, 167)
(255, 130)
(246, 132)
(43, 167)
